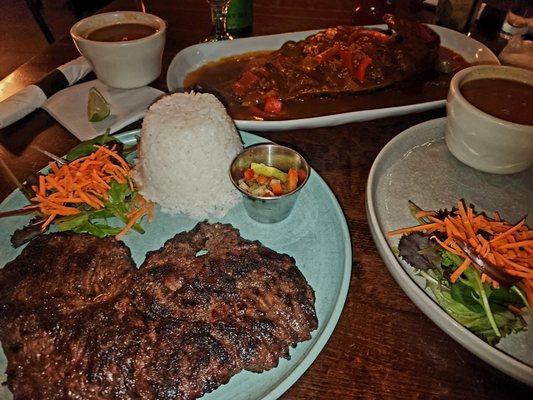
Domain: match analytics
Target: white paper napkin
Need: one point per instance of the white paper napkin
(20, 104)
(69, 108)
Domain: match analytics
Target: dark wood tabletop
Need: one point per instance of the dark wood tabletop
(383, 346)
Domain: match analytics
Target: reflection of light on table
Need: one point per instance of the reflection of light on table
(11, 84)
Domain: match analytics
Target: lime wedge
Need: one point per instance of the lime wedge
(97, 107)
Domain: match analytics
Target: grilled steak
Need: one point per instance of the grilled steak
(204, 307)
(63, 273)
(213, 276)
(56, 295)
(89, 354)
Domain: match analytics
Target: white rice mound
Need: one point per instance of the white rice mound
(186, 147)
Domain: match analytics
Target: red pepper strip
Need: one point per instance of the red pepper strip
(273, 105)
(425, 33)
(241, 86)
(327, 54)
(257, 112)
(347, 59)
(366, 32)
(361, 69)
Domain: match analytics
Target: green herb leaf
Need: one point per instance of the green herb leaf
(87, 147)
(478, 322)
(118, 192)
(96, 229)
(450, 259)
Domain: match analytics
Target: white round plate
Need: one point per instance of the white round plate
(416, 165)
(193, 57)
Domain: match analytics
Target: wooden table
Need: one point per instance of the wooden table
(383, 346)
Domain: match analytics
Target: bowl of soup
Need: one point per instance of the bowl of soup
(125, 48)
(490, 118)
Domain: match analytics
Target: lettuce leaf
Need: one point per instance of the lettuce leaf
(474, 304)
(477, 320)
(87, 147)
(95, 222)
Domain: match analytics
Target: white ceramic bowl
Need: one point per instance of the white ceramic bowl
(125, 65)
(481, 140)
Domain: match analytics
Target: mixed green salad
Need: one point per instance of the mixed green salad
(479, 269)
(89, 191)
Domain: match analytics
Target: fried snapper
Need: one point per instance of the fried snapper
(341, 60)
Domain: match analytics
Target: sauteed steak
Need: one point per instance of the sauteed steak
(201, 309)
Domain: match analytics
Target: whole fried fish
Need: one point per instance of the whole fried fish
(341, 60)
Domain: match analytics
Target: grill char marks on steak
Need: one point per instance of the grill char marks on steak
(62, 324)
(188, 324)
(256, 301)
(85, 355)
(63, 273)
(183, 361)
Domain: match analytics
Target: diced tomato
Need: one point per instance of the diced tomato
(361, 69)
(257, 112)
(241, 86)
(292, 179)
(273, 105)
(249, 174)
(261, 179)
(301, 175)
(347, 59)
(276, 188)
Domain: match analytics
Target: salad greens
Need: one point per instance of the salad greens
(97, 222)
(93, 194)
(87, 147)
(476, 305)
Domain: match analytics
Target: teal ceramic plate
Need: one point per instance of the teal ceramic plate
(315, 234)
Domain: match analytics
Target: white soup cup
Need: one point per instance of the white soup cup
(481, 140)
(127, 64)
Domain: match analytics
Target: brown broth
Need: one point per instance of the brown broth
(219, 75)
(121, 32)
(503, 98)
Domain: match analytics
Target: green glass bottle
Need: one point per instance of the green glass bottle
(240, 18)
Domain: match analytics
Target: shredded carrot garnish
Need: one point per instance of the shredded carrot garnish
(145, 207)
(462, 268)
(426, 227)
(507, 246)
(422, 214)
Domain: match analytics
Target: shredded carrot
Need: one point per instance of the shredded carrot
(507, 246)
(426, 227)
(508, 231)
(422, 214)
(84, 180)
(462, 268)
(525, 243)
